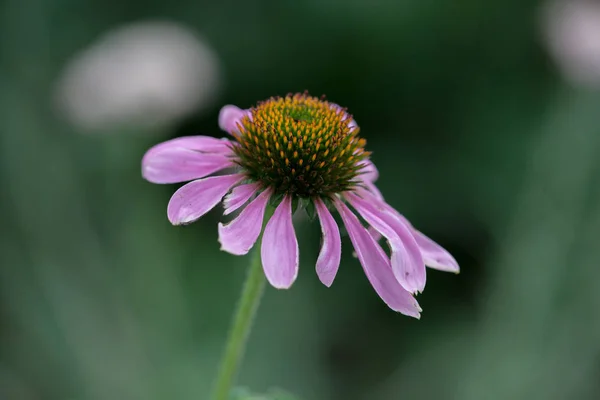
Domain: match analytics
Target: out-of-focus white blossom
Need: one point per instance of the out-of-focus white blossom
(143, 75)
(571, 30)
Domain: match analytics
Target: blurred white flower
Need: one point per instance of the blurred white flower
(145, 74)
(571, 30)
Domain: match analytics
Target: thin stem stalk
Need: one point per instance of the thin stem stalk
(240, 329)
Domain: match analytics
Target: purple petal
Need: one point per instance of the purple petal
(434, 255)
(369, 172)
(377, 266)
(370, 186)
(279, 250)
(374, 233)
(407, 263)
(186, 158)
(238, 236)
(198, 197)
(331, 247)
(230, 116)
(238, 197)
(204, 144)
(367, 177)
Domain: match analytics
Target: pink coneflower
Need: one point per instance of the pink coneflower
(297, 151)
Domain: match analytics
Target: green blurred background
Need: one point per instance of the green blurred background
(485, 136)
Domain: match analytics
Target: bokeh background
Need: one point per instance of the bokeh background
(483, 118)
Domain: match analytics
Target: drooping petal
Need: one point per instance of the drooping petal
(279, 249)
(238, 197)
(407, 263)
(434, 255)
(230, 116)
(196, 198)
(374, 233)
(238, 236)
(369, 172)
(186, 158)
(371, 187)
(377, 266)
(328, 261)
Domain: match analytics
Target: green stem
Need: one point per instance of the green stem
(242, 323)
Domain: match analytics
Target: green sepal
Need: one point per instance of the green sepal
(311, 210)
(295, 204)
(276, 199)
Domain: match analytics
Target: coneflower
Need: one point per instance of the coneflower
(295, 152)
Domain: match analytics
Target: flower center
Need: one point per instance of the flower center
(300, 145)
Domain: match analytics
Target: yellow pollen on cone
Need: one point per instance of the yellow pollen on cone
(316, 152)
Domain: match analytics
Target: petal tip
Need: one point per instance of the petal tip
(411, 287)
(416, 314)
(174, 217)
(225, 245)
(330, 253)
(281, 286)
(177, 220)
(279, 247)
(239, 236)
(326, 281)
(191, 201)
(229, 116)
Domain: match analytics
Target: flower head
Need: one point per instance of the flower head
(300, 146)
(289, 152)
